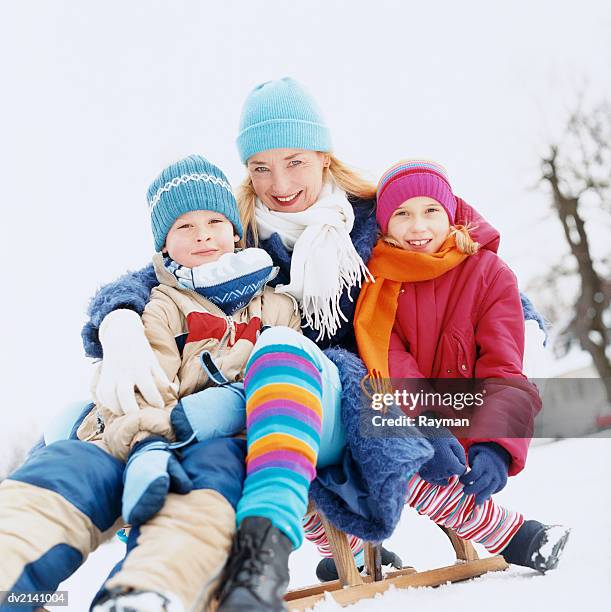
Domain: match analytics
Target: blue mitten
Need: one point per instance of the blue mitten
(152, 471)
(489, 463)
(449, 457)
(215, 412)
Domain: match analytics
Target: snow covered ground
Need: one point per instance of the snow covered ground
(566, 482)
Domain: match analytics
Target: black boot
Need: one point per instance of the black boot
(257, 572)
(537, 546)
(326, 569)
(133, 600)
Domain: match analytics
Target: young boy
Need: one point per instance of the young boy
(202, 322)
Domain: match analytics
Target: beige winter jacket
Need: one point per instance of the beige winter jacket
(180, 324)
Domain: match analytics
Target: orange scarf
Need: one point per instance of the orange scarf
(376, 308)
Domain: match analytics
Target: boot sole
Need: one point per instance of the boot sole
(551, 562)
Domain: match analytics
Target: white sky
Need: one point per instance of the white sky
(98, 97)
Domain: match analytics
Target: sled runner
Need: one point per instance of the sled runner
(352, 586)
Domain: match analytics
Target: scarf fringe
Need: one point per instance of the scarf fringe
(324, 262)
(374, 382)
(323, 313)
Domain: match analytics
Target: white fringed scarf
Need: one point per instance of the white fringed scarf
(324, 260)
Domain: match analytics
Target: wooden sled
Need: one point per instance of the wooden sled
(352, 586)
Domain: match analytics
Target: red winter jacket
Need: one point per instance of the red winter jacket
(469, 323)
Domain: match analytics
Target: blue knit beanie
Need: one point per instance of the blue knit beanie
(281, 115)
(190, 184)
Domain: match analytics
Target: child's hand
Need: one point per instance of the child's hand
(129, 364)
(449, 458)
(489, 464)
(214, 412)
(152, 471)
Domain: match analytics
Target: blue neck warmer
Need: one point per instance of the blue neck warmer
(231, 282)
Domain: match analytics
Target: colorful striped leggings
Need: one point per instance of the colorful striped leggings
(488, 524)
(291, 389)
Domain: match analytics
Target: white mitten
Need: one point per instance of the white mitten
(129, 364)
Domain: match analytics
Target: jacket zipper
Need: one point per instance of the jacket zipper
(224, 339)
(230, 330)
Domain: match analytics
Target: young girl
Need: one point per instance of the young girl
(444, 306)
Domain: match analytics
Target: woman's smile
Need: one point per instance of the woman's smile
(288, 200)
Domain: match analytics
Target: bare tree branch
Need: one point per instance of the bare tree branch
(575, 168)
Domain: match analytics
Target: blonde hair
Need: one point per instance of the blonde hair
(345, 177)
(464, 243)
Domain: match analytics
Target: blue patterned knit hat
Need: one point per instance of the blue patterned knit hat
(281, 115)
(193, 183)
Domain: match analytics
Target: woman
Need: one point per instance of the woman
(315, 217)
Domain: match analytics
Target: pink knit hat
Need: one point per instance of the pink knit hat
(413, 178)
